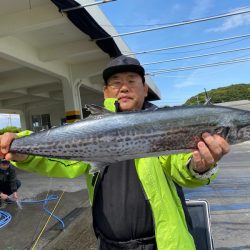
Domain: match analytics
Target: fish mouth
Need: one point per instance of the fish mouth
(223, 131)
(238, 134)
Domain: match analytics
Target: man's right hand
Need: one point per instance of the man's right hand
(5, 141)
(4, 196)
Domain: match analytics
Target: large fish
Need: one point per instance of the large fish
(108, 137)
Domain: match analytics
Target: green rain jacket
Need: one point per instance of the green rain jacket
(156, 175)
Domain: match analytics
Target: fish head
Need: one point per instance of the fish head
(234, 126)
(243, 133)
(236, 134)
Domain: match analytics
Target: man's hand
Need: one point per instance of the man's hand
(5, 141)
(4, 196)
(209, 152)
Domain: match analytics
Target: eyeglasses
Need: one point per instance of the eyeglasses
(117, 84)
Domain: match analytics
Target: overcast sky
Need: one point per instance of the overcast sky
(9, 120)
(177, 87)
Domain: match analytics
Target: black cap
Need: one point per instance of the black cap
(3, 161)
(123, 64)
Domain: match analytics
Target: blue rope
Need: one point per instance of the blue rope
(7, 217)
(45, 203)
(52, 197)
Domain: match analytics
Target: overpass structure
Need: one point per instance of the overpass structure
(50, 63)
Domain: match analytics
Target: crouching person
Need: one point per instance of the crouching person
(9, 183)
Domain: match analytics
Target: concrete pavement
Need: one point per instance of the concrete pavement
(28, 222)
(228, 197)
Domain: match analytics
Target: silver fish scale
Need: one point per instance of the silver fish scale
(129, 135)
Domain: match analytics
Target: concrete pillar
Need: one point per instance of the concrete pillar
(72, 101)
(23, 120)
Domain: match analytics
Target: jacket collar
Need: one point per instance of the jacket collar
(112, 105)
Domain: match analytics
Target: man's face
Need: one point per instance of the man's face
(128, 89)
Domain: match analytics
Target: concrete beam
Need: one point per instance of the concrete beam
(20, 100)
(20, 52)
(23, 78)
(38, 17)
(6, 65)
(9, 95)
(38, 104)
(68, 50)
(45, 88)
(26, 99)
(93, 87)
(44, 95)
(56, 95)
(21, 91)
(85, 70)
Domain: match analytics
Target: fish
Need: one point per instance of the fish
(108, 137)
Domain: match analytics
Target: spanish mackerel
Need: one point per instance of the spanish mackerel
(107, 137)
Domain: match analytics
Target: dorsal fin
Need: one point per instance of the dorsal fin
(97, 110)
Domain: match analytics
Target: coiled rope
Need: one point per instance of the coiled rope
(5, 217)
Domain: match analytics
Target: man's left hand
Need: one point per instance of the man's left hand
(210, 151)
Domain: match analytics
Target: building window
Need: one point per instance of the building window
(40, 122)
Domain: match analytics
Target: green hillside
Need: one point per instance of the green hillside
(233, 92)
(12, 129)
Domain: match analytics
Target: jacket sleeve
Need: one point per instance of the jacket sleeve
(51, 167)
(176, 166)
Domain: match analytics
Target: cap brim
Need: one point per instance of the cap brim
(107, 73)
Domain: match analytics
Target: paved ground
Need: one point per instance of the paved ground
(228, 197)
(28, 222)
(229, 200)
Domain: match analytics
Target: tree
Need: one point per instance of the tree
(233, 92)
(9, 129)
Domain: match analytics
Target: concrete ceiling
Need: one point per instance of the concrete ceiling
(39, 48)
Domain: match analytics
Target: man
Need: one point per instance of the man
(9, 183)
(135, 203)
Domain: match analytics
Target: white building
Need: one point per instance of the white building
(50, 64)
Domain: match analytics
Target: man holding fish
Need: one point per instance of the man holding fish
(137, 203)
